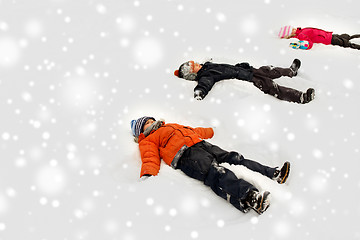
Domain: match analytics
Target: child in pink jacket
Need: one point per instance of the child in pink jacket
(308, 36)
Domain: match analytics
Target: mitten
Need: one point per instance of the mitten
(198, 95)
(300, 45)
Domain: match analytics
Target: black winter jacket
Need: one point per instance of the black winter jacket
(210, 73)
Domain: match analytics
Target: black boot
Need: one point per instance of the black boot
(282, 174)
(257, 201)
(295, 66)
(308, 96)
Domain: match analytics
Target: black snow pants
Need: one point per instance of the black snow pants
(263, 79)
(343, 40)
(201, 162)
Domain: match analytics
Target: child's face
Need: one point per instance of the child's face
(195, 67)
(148, 123)
(293, 31)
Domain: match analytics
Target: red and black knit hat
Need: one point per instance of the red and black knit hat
(185, 71)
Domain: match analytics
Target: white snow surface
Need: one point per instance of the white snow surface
(73, 74)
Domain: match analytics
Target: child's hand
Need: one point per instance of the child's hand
(300, 45)
(198, 95)
(295, 45)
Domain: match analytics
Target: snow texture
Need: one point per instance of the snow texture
(73, 74)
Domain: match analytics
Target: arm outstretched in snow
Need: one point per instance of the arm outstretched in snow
(150, 158)
(300, 45)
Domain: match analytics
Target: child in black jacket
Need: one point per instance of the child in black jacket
(209, 73)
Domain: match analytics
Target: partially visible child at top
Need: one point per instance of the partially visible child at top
(308, 36)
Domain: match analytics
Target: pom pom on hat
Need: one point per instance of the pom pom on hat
(176, 73)
(285, 31)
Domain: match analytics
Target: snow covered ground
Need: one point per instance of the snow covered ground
(73, 74)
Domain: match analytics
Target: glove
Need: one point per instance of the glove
(198, 95)
(300, 45)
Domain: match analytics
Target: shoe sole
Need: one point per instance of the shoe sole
(264, 201)
(310, 93)
(286, 173)
(294, 63)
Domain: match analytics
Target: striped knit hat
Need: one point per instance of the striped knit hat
(138, 125)
(285, 31)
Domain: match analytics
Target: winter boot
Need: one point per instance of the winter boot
(308, 96)
(282, 174)
(295, 66)
(257, 201)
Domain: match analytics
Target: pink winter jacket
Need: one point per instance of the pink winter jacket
(313, 35)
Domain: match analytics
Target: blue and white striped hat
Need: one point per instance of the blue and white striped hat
(138, 125)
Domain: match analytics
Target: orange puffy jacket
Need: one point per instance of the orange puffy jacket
(165, 142)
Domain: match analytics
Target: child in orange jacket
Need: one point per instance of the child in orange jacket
(308, 36)
(183, 148)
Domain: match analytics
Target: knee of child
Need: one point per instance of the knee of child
(234, 158)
